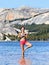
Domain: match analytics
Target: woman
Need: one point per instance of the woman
(22, 35)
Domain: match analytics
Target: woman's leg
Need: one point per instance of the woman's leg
(22, 47)
(28, 45)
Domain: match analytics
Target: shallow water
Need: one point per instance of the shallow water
(10, 53)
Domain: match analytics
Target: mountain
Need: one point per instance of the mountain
(23, 15)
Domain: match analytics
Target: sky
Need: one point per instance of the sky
(20, 3)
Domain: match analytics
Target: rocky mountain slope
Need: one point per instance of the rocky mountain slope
(23, 15)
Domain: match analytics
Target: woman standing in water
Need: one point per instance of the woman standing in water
(23, 40)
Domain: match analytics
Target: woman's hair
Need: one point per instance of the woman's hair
(22, 27)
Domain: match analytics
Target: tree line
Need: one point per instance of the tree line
(41, 31)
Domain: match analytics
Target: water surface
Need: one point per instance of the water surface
(10, 53)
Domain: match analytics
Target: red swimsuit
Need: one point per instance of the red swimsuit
(23, 41)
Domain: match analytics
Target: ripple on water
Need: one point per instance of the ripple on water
(38, 55)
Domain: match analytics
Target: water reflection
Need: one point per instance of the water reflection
(25, 61)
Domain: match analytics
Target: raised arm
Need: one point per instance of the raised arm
(19, 35)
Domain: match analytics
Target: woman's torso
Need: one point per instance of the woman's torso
(22, 36)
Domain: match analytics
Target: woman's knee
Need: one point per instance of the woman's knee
(30, 45)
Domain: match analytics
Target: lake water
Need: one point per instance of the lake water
(10, 53)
